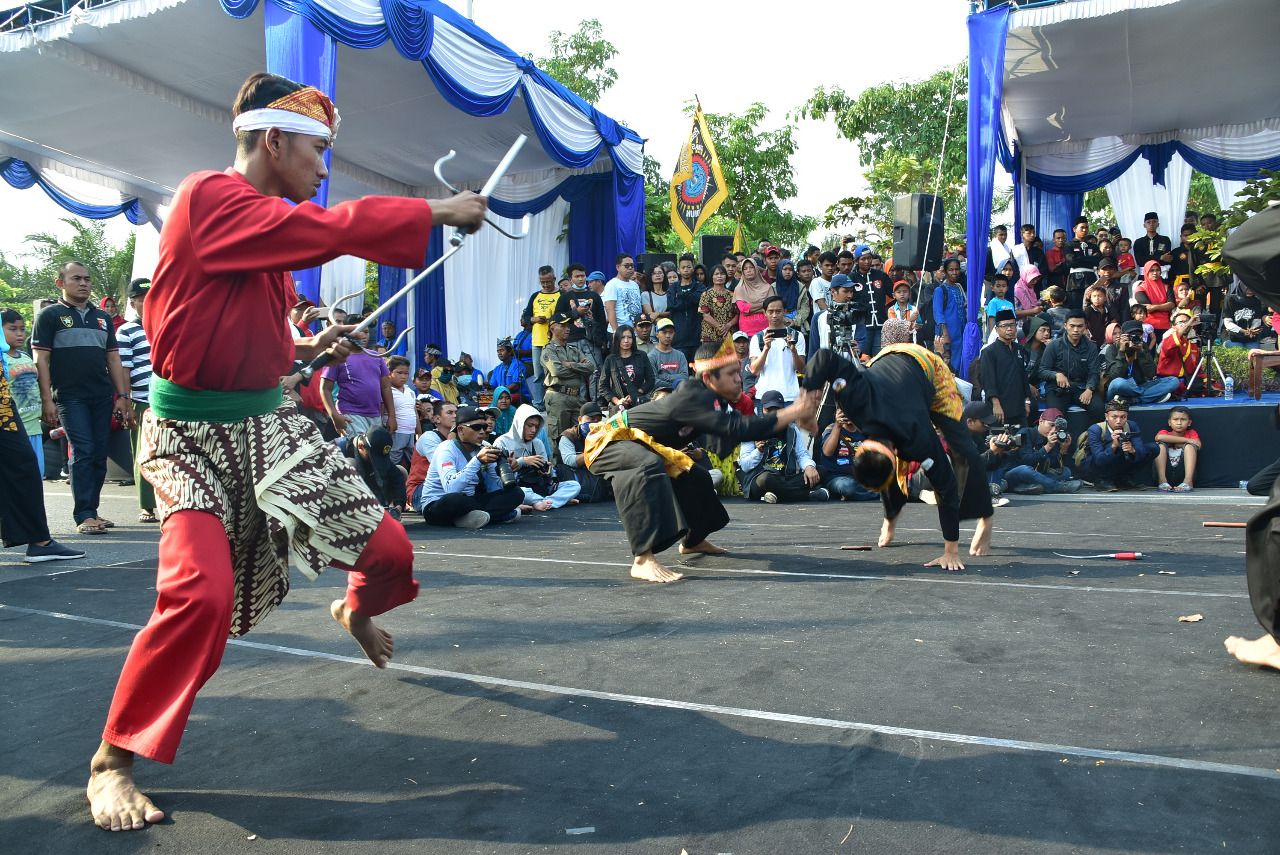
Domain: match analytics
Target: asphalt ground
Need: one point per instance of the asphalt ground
(790, 698)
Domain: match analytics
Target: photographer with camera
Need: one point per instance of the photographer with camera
(1115, 456)
(1129, 370)
(534, 465)
(1069, 368)
(836, 327)
(1042, 458)
(1180, 354)
(777, 353)
(998, 444)
(464, 487)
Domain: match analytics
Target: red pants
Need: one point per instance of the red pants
(181, 646)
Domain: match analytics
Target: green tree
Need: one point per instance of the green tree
(757, 169)
(899, 131)
(20, 287)
(1202, 197)
(110, 266)
(580, 60)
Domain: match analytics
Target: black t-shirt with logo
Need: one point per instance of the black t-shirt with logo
(77, 342)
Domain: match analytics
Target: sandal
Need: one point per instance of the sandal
(106, 523)
(91, 527)
(1164, 487)
(1182, 488)
(145, 516)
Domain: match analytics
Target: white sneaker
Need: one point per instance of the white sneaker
(769, 498)
(472, 519)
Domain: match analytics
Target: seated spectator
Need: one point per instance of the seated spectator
(1180, 355)
(509, 372)
(467, 378)
(627, 376)
(1138, 312)
(506, 410)
(1129, 370)
(572, 444)
(443, 420)
(780, 468)
(463, 488)
(1098, 314)
(535, 469)
(1156, 295)
(839, 442)
(370, 453)
(1057, 312)
(1026, 297)
(425, 410)
(742, 347)
(422, 383)
(1114, 455)
(1041, 462)
(670, 366)
(405, 400)
(1179, 449)
(364, 391)
(1242, 316)
(777, 354)
(1185, 296)
(644, 336)
(1069, 368)
(443, 381)
(387, 341)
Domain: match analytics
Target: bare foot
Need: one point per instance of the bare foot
(573, 502)
(1260, 651)
(373, 639)
(544, 505)
(526, 509)
(647, 568)
(704, 548)
(114, 800)
(886, 532)
(981, 544)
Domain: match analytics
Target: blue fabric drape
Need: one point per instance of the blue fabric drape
(22, 176)
(429, 321)
(391, 280)
(987, 33)
(1049, 211)
(1218, 167)
(296, 49)
(628, 195)
(593, 232)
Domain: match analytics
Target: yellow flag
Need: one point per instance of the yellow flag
(697, 187)
(738, 239)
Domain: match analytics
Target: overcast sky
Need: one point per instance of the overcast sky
(725, 52)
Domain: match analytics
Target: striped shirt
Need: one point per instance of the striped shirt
(135, 356)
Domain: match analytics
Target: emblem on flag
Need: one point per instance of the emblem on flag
(697, 187)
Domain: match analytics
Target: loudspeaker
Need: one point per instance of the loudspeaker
(646, 260)
(917, 221)
(712, 249)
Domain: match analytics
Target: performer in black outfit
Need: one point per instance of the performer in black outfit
(662, 497)
(901, 401)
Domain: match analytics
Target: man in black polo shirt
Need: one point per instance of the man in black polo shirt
(76, 359)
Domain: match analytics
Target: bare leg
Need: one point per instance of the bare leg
(1162, 460)
(704, 548)
(1189, 454)
(373, 640)
(886, 532)
(981, 544)
(1260, 651)
(647, 567)
(114, 800)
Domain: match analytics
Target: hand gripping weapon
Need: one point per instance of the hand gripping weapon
(456, 241)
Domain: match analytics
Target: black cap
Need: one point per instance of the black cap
(1107, 261)
(378, 442)
(590, 410)
(1131, 327)
(561, 318)
(981, 411)
(772, 400)
(1005, 315)
(1150, 215)
(468, 414)
(139, 287)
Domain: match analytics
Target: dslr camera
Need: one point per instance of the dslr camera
(1206, 327)
(1007, 437)
(1060, 429)
(1123, 435)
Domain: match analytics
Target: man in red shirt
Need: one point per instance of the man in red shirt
(243, 482)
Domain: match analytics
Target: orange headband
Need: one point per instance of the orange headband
(875, 445)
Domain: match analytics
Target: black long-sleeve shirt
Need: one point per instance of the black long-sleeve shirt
(591, 328)
(1003, 369)
(1150, 249)
(1079, 362)
(691, 410)
(682, 306)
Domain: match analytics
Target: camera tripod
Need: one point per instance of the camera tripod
(1207, 357)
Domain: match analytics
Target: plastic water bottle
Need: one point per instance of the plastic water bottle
(1228, 387)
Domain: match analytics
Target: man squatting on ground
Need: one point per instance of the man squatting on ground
(244, 482)
(901, 401)
(662, 496)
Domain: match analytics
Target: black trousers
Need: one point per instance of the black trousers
(788, 488)
(1063, 399)
(966, 465)
(22, 518)
(451, 506)
(658, 510)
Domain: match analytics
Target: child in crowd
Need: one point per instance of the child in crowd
(1097, 314)
(1057, 311)
(404, 398)
(1185, 296)
(901, 307)
(998, 300)
(1138, 312)
(364, 390)
(1126, 264)
(1179, 448)
(23, 384)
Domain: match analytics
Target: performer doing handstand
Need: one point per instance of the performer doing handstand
(901, 401)
(662, 496)
(243, 481)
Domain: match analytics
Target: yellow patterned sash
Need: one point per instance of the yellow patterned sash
(946, 397)
(617, 429)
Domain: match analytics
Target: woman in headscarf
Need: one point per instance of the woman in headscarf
(788, 287)
(535, 468)
(506, 412)
(749, 296)
(1154, 293)
(1026, 293)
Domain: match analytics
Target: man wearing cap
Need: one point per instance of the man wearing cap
(1116, 457)
(1129, 370)
(233, 521)
(595, 284)
(1152, 246)
(645, 342)
(370, 454)
(464, 488)
(1002, 367)
(771, 255)
(590, 326)
(902, 401)
(301, 314)
(779, 468)
(662, 497)
(567, 371)
(571, 445)
(135, 358)
(669, 365)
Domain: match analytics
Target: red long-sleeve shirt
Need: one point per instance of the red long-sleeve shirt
(217, 311)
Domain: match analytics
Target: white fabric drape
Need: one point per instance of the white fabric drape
(1227, 190)
(1077, 158)
(490, 280)
(1135, 193)
(340, 277)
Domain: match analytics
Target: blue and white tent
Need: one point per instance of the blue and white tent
(1130, 95)
(132, 95)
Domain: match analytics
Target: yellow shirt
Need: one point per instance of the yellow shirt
(545, 305)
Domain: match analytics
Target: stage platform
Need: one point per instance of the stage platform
(1240, 436)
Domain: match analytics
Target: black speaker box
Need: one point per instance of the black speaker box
(646, 260)
(713, 248)
(917, 230)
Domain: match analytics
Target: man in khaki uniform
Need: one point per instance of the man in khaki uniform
(566, 371)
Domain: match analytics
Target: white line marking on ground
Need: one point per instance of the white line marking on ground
(859, 577)
(732, 712)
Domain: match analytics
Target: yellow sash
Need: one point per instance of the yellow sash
(617, 429)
